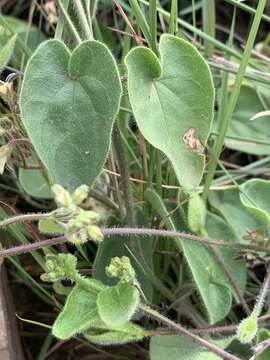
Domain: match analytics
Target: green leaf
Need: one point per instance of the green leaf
(250, 136)
(35, 181)
(228, 204)
(68, 105)
(79, 313)
(7, 51)
(21, 28)
(123, 334)
(210, 280)
(172, 100)
(218, 229)
(256, 198)
(172, 347)
(117, 304)
(49, 226)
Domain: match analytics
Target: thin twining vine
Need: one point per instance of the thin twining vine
(106, 232)
(76, 225)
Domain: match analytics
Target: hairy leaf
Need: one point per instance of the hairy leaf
(49, 226)
(117, 304)
(172, 347)
(172, 99)
(79, 313)
(105, 336)
(68, 105)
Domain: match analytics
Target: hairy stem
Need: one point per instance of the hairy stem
(131, 214)
(135, 231)
(69, 21)
(182, 331)
(231, 279)
(86, 26)
(24, 218)
(263, 293)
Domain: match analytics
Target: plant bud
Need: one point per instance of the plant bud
(78, 237)
(62, 197)
(5, 89)
(247, 329)
(121, 268)
(80, 194)
(94, 233)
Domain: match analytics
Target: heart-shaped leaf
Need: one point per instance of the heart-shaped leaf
(172, 100)
(68, 105)
(117, 304)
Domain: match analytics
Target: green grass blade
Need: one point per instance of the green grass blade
(233, 98)
(153, 23)
(209, 25)
(141, 21)
(173, 25)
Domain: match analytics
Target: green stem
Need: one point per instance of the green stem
(61, 22)
(125, 174)
(131, 215)
(209, 25)
(153, 23)
(24, 218)
(25, 248)
(86, 26)
(69, 21)
(173, 17)
(233, 99)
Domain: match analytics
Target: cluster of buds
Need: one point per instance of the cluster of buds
(79, 224)
(60, 267)
(122, 269)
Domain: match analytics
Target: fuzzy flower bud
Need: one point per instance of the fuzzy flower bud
(78, 237)
(62, 197)
(121, 268)
(94, 233)
(80, 194)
